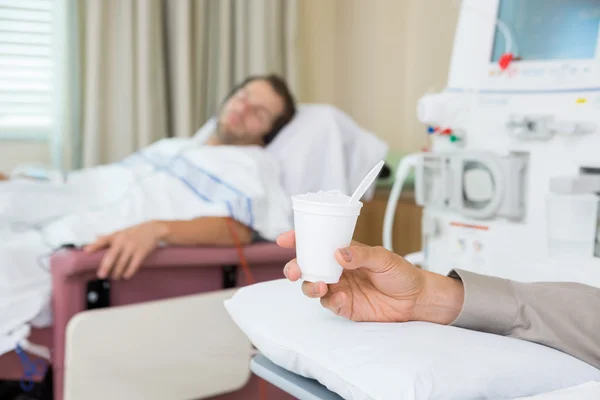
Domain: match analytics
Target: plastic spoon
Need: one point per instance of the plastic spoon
(366, 182)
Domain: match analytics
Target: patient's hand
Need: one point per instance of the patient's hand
(380, 286)
(127, 249)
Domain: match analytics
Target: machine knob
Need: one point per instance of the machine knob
(430, 109)
(478, 185)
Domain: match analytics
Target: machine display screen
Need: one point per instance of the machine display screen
(549, 29)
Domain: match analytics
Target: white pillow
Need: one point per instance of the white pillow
(408, 361)
(322, 148)
(586, 391)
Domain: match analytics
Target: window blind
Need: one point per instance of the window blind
(27, 66)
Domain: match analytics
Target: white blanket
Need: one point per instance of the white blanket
(174, 179)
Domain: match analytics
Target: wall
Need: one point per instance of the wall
(317, 41)
(14, 153)
(375, 58)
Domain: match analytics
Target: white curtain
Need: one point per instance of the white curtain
(159, 68)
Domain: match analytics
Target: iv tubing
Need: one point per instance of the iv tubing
(404, 167)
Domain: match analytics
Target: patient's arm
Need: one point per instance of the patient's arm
(203, 231)
(129, 247)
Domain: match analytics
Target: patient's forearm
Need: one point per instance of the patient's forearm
(203, 231)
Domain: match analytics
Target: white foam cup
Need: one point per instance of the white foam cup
(324, 222)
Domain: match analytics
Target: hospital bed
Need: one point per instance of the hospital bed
(509, 187)
(168, 273)
(135, 338)
(310, 389)
(300, 387)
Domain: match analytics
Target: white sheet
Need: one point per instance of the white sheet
(410, 361)
(173, 179)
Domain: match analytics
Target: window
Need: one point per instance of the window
(28, 69)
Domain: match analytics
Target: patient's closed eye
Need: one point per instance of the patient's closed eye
(261, 114)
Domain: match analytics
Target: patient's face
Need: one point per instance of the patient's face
(249, 114)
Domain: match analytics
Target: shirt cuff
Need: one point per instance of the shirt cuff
(490, 304)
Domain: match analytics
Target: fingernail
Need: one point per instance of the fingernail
(345, 255)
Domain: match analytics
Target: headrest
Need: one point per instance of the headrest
(322, 148)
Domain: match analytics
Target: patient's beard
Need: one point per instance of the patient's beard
(225, 137)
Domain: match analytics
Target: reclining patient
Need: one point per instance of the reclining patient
(176, 191)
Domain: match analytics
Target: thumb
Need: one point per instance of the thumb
(101, 242)
(376, 259)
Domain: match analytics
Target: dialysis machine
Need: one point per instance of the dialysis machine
(511, 184)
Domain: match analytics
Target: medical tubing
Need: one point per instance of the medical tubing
(461, 114)
(507, 36)
(509, 43)
(402, 172)
(36, 349)
(238, 244)
(29, 367)
(262, 384)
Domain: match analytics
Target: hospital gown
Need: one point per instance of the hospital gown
(174, 179)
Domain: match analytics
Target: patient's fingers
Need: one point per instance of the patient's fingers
(135, 264)
(314, 290)
(107, 262)
(101, 242)
(287, 240)
(122, 263)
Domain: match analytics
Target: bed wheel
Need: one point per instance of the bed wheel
(11, 390)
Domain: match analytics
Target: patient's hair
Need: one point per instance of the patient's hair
(280, 87)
